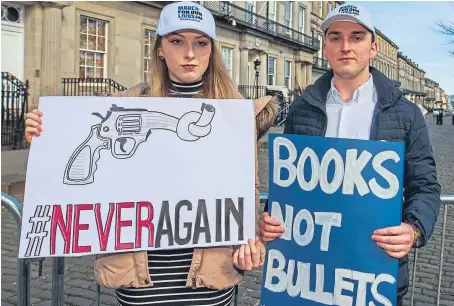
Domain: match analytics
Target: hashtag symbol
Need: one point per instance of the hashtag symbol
(38, 233)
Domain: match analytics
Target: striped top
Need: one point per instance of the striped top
(185, 90)
(169, 269)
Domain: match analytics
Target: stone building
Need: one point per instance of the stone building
(429, 90)
(411, 78)
(55, 42)
(386, 59)
(320, 10)
(444, 100)
(438, 96)
(58, 45)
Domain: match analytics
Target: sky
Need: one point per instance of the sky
(412, 26)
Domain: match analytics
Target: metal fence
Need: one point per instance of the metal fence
(252, 91)
(321, 63)
(225, 9)
(90, 87)
(58, 266)
(14, 107)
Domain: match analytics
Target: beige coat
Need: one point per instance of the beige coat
(211, 267)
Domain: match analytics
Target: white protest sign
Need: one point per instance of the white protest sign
(114, 174)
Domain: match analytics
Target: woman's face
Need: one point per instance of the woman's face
(187, 54)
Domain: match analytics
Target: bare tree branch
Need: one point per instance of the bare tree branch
(448, 30)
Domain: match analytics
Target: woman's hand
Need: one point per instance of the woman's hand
(270, 228)
(247, 257)
(33, 124)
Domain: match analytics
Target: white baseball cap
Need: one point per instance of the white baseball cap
(351, 13)
(186, 16)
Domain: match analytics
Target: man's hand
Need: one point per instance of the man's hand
(270, 228)
(397, 241)
(247, 256)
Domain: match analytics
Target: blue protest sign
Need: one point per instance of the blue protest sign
(330, 195)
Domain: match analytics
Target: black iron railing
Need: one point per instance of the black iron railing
(90, 87)
(258, 22)
(321, 63)
(413, 92)
(14, 107)
(252, 91)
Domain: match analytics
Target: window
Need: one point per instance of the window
(92, 49)
(272, 10)
(149, 39)
(288, 15)
(227, 59)
(271, 70)
(301, 13)
(320, 8)
(272, 16)
(288, 74)
(251, 9)
(13, 14)
(320, 51)
(225, 7)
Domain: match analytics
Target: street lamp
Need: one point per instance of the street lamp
(257, 69)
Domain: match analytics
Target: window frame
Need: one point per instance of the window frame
(274, 70)
(95, 52)
(301, 26)
(289, 76)
(146, 58)
(288, 22)
(231, 49)
(320, 51)
(250, 17)
(269, 11)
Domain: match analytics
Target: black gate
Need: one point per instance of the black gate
(14, 107)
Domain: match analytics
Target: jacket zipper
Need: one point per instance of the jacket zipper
(194, 278)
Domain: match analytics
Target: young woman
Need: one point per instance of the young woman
(184, 63)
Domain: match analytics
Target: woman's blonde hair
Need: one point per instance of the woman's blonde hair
(216, 80)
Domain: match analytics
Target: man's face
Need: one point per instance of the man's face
(348, 47)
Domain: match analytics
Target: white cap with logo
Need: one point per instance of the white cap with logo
(186, 16)
(351, 13)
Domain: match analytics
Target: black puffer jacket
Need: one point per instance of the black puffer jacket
(394, 119)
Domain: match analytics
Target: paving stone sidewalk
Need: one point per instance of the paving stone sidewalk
(80, 286)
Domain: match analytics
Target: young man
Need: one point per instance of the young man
(356, 101)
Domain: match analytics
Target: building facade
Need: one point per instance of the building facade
(444, 100)
(112, 40)
(386, 59)
(411, 79)
(429, 89)
(320, 10)
(55, 42)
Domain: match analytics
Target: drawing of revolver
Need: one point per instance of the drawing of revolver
(122, 130)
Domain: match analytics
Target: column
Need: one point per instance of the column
(300, 75)
(263, 66)
(308, 74)
(51, 54)
(244, 60)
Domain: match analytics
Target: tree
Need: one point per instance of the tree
(447, 29)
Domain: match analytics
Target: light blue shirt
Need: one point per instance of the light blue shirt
(351, 119)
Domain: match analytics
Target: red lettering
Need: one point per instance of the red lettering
(103, 233)
(65, 228)
(80, 227)
(144, 223)
(122, 223)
